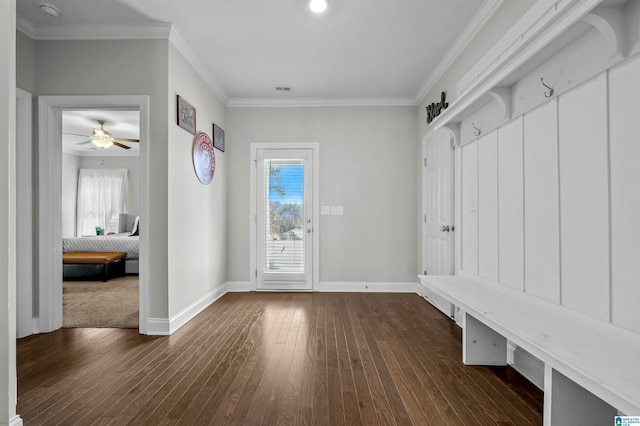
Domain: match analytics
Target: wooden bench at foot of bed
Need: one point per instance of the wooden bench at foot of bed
(92, 265)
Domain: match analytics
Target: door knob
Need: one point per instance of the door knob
(445, 228)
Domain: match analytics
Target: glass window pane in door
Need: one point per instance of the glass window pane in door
(284, 215)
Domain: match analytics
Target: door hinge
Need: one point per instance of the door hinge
(256, 273)
(425, 218)
(425, 272)
(425, 161)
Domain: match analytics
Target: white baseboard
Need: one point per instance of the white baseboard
(238, 286)
(15, 421)
(158, 327)
(340, 286)
(195, 308)
(366, 287)
(166, 327)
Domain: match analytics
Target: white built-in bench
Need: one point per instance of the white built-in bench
(592, 368)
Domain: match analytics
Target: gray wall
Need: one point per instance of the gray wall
(197, 214)
(367, 164)
(133, 67)
(25, 63)
(154, 68)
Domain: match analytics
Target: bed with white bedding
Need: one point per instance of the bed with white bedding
(123, 241)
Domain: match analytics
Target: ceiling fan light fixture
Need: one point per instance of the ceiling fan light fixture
(318, 6)
(102, 142)
(101, 138)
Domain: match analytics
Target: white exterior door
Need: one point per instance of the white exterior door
(438, 227)
(284, 219)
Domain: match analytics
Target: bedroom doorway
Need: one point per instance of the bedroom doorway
(100, 188)
(51, 110)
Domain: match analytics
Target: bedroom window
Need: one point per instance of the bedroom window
(102, 196)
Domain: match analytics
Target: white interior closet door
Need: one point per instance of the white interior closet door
(284, 222)
(438, 208)
(438, 220)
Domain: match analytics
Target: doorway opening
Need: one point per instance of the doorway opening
(50, 275)
(99, 204)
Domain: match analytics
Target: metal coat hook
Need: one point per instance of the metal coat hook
(550, 92)
(476, 131)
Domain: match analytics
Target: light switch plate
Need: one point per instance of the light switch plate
(337, 210)
(325, 210)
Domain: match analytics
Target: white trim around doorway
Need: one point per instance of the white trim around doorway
(24, 225)
(50, 188)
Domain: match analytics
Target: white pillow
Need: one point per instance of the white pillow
(134, 230)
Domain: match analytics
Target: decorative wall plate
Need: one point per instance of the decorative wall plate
(204, 158)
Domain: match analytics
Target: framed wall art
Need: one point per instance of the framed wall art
(218, 137)
(186, 115)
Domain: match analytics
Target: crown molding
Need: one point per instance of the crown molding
(96, 32)
(26, 26)
(122, 32)
(482, 16)
(178, 42)
(318, 102)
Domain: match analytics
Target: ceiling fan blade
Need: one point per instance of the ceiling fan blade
(121, 145)
(83, 143)
(75, 134)
(127, 140)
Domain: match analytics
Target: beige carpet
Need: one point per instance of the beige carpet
(113, 304)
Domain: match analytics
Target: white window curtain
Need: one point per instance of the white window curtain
(102, 196)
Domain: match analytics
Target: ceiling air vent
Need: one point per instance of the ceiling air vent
(284, 89)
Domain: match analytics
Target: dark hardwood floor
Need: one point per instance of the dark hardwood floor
(273, 358)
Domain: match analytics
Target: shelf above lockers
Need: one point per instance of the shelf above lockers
(565, 44)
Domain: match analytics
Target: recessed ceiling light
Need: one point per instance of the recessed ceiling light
(49, 10)
(318, 6)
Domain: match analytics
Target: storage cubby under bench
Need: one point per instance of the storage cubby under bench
(592, 367)
(92, 265)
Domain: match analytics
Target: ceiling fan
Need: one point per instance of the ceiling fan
(103, 139)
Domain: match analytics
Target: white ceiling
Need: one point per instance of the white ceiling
(358, 51)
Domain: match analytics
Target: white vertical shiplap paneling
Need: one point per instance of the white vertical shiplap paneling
(541, 211)
(488, 206)
(510, 205)
(584, 208)
(624, 119)
(470, 208)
